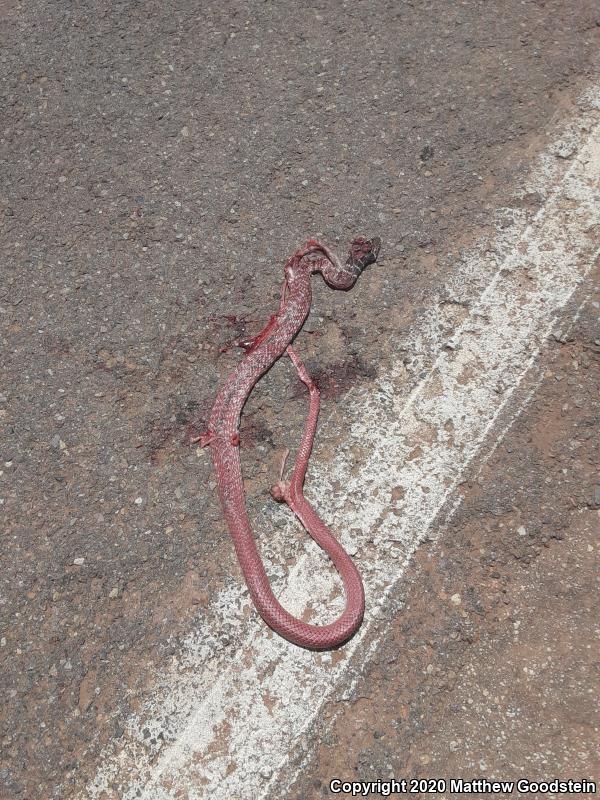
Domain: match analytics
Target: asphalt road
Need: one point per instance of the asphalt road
(157, 166)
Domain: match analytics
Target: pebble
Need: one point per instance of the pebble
(564, 149)
(114, 593)
(138, 501)
(78, 562)
(596, 496)
(456, 599)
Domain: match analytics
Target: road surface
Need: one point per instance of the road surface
(157, 167)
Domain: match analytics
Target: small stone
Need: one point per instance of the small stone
(522, 531)
(78, 562)
(564, 149)
(596, 496)
(456, 599)
(55, 442)
(138, 501)
(114, 593)
(185, 131)
(8, 212)
(425, 759)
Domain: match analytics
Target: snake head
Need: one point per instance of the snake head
(363, 252)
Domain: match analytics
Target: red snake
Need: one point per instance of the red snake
(223, 437)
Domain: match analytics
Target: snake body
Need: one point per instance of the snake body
(223, 438)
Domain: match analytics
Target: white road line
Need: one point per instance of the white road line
(223, 723)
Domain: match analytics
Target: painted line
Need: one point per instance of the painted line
(224, 721)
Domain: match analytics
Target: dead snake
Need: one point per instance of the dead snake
(222, 436)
